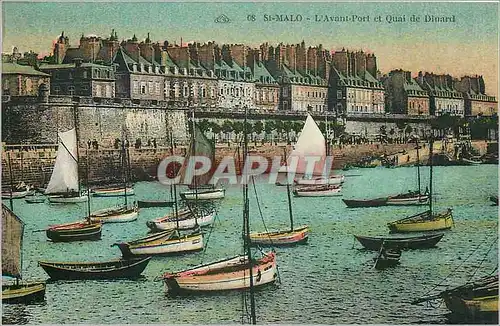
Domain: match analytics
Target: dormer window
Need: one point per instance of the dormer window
(157, 69)
(134, 67)
(142, 67)
(184, 71)
(150, 69)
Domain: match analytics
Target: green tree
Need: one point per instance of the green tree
(278, 126)
(287, 127)
(269, 126)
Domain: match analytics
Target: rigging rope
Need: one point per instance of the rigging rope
(484, 258)
(454, 270)
(210, 233)
(260, 210)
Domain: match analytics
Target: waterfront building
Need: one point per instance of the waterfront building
(354, 88)
(301, 88)
(81, 78)
(476, 101)
(21, 80)
(404, 95)
(267, 89)
(443, 97)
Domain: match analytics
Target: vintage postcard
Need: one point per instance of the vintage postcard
(250, 162)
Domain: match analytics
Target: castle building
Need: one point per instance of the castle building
(354, 88)
(443, 97)
(404, 95)
(476, 101)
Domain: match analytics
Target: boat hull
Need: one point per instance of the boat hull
(280, 238)
(185, 223)
(74, 232)
(112, 192)
(114, 216)
(154, 203)
(333, 180)
(232, 274)
(423, 222)
(354, 203)
(131, 268)
(203, 194)
(419, 242)
(68, 200)
(473, 310)
(36, 200)
(15, 194)
(190, 243)
(23, 293)
(309, 191)
(404, 201)
(387, 258)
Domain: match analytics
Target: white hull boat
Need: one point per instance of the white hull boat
(68, 199)
(321, 191)
(186, 221)
(229, 274)
(403, 201)
(115, 215)
(332, 180)
(203, 194)
(163, 243)
(116, 192)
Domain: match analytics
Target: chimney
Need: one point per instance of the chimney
(206, 55)
(132, 49)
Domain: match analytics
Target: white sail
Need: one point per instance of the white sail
(311, 142)
(64, 177)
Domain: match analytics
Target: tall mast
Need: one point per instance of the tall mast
(431, 145)
(87, 179)
(288, 194)
(418, 167)
(124, 157)
(11, 203)
(193, 153)
(327, 143)
(246, 224)
(176, 210)
(75, 118)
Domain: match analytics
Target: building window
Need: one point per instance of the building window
(57, 89)
(136, 87)
(108, 91)
(185, 91)
(85, 74)
(84, 90)
(98, 92)
(71, 90)
(143, 88)
(157, 88)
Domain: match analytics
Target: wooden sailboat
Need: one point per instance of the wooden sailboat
(311, 143)
(125, 212)
(387, 258)
(425, 221)
(403, 199)
(162, 243)
(282, 237)
(475, 302)
(154, 203)
(240, 272)
(201, 189)
(114, 269)
(20, 191)
(324, 190)
(414, 242)
(87, 229)
(113, 192)
(12, 238)
(64, 185)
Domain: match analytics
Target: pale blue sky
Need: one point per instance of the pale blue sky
(469, 46)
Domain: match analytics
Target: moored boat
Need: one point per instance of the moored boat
(183, 221)
(34, 199)
(122, 268)
(318, 191)
(162, 243)
(113, 192)
(353, 203)
(298, 235)
(331, 180)
(64, 185)
(154, 203)
(422, 222)
(115, 215)
(387, 258)
(410, 198)
(203, 194)
(12, 238)
(227, 274)
(494, 199)
(17, 193)
(75, 231)
(415, 242)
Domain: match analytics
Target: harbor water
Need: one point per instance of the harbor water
(329, 280)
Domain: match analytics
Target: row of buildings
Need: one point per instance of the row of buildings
(267, 78)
